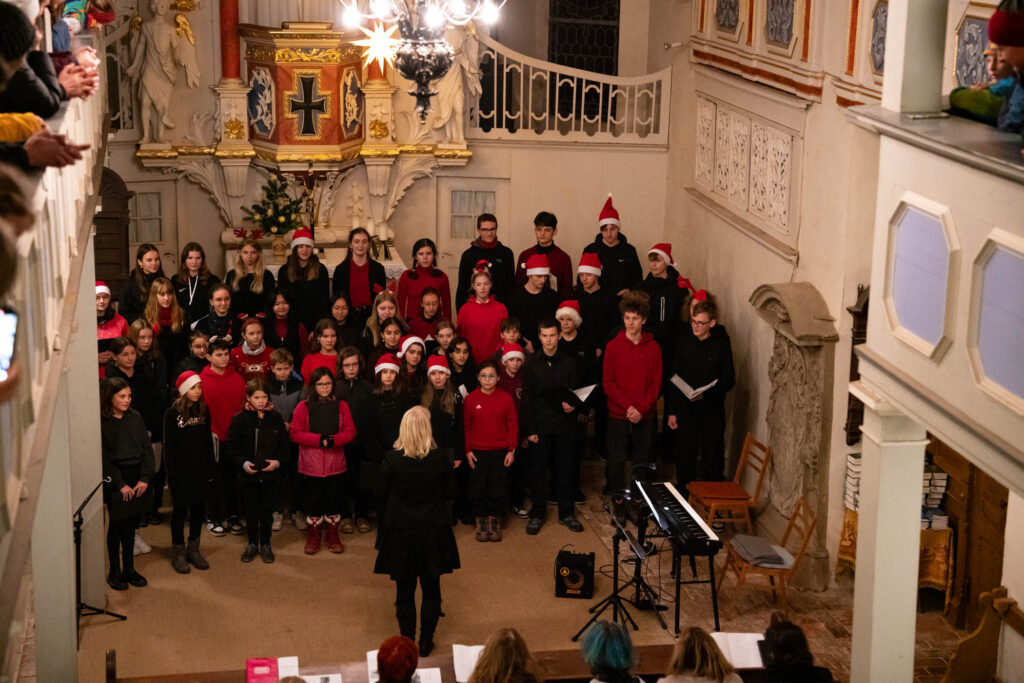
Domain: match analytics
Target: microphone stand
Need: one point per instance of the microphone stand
(615, 601)
(85, 609)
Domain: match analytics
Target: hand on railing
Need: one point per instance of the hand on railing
(78, 80)
(46, 148)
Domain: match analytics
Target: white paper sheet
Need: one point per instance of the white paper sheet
(464, 658)
(740, 649)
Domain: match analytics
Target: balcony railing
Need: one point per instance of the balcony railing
(529, 99)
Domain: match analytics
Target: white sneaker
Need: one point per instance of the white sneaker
(276, 526)
(141, 547)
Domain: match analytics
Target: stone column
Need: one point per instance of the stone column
(915, 47)
(233, 150)
(379, 150)
(888, 541)
(230, 47)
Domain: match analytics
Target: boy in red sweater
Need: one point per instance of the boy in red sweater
(492, 433)
(632, 381)
(224, 393)
(251, 358)
(545, 227)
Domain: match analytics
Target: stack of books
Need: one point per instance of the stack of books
(852, 496)
(933, 489)
(934, 518)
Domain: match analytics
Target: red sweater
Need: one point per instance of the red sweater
(410, 288)
(480, 324)
(424, 328)
(561, 269)
(314, 460)
(632, 375)
(225, 395)
(491, 422)
(318, 360)
(251, 366)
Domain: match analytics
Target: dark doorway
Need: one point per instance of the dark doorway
(111, 244)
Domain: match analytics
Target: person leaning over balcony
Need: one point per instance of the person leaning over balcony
(1006, 31)
(545, 227)
(620, 267)
(16, 217)
(501, 262)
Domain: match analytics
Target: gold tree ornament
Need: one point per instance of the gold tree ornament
(380, 45)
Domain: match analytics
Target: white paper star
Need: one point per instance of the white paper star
(380, 45)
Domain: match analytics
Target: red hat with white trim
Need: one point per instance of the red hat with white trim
(510, 351)
(386, 362)
(538, 265)
(102, 288)
(664, 250)
(186, 381)
(1006, 25)
(589, 263)
(570, 308)
(439, 363)
(609, 216)
(302, 236)
(407, 341)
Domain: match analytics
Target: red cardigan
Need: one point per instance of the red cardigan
(480, 324)
(632, 375)
(491, 421)
(410, 288)
(314, 460)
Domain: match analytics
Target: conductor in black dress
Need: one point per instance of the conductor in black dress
(415, 542)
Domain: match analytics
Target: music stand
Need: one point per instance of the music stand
(85, 609)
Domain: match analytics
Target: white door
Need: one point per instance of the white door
(154, 219)
(459, 202)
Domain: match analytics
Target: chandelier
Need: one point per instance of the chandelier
(422, 54)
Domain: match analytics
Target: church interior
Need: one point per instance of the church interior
(806, 162)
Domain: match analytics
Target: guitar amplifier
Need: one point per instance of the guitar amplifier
(574, 575)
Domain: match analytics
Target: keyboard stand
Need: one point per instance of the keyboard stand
(677, 557)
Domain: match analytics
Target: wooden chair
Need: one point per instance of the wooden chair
(728, 498)
(798, 533)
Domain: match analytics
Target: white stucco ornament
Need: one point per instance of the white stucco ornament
(463, 77)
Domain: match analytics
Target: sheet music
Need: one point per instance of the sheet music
(321, 678)
(688, 391)
(464, 658)
(583, 393)
(421, 675)
(690, 511)
(740, 649)
(462, 391)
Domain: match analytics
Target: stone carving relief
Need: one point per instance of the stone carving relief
(261, 102)
(727, 14)
(879, 23)
(461, 82)
(732, 155)
(778, 24)
(971, 41)
(705, 142)
(771, 152)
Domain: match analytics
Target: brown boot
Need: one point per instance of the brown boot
(493, 529)
(331, 535)
(481, 529)
(313, 537)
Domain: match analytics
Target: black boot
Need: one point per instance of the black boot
(406, 615)
(430, 612)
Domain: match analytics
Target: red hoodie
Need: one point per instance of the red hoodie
(491, 422)
(632, 375)
(225, 395)
(480, 324)
(410, 288)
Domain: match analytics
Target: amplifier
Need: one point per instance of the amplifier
(574, 575)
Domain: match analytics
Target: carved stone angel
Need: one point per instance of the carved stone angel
(462, 78)
(159, 48)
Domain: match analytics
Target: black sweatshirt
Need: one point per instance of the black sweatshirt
(252, 438)
(698, 363)
(545, 380)
(531, 309)
(126, 443)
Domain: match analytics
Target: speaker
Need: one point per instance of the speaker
(574, 575)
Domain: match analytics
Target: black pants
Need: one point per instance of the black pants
(354, 497)
(700, 449)
(289, 488)
(321, 495)
(619, 432)
(224, 492)
(121, 545)
(157, 487)
(519, 476)
(488, 484)
(258, 499)
(195, 513)
(553, 452)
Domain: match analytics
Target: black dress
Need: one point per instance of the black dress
(127, 460)
(188, 454)
(416, 536)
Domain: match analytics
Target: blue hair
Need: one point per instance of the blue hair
(607, 650)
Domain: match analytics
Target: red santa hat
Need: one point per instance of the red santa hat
(101, 288)
(439, 363)
(664, 250)
(186, 381)
(407, 341)
(570, 308)
(302, 236)
(386, 362)
(538, 265)
(510, 351)
(1006, 25)
(589, 263)
(609, 216)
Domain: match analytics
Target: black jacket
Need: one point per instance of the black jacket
(620, 267)
(310, 298)
(503, 271)
(244, 301)
(378, 279)
(188, 454)
(416, 490)
(531, 309)
(34, 88)
(173, 345)
(126, 445)
(216, 326)
(666, 309)
(190, 362)
(357, 394)
(389, 407)
(448, 428)
(584, 354)
(698, 363)
(600, 313)
(146, 398)
(200, 303)
(255, 439)
(132, 301)
(546, 381)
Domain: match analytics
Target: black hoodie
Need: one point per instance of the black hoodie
(503, 271)
(620, 266)
(697, 363)
(666, 309)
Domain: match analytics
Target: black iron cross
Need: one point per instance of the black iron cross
(308, 106)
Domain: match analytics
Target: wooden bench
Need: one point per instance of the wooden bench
(977, 655)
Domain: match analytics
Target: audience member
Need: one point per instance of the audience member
(397, 658)
(249, 280)
(1006, 31)
(545, 227)
(696, 658)
(500, 262)
(534, 301)
(190, 465)
(416, 542)
(506, 659)
(192, 282)
(359, 275)
(492, 434)
(306, 278)
(789, 657)
(422, 275)
(621, 267)
(608, 651)
(135, 293)
(479, 320)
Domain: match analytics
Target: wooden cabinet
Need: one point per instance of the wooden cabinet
(976, 505)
